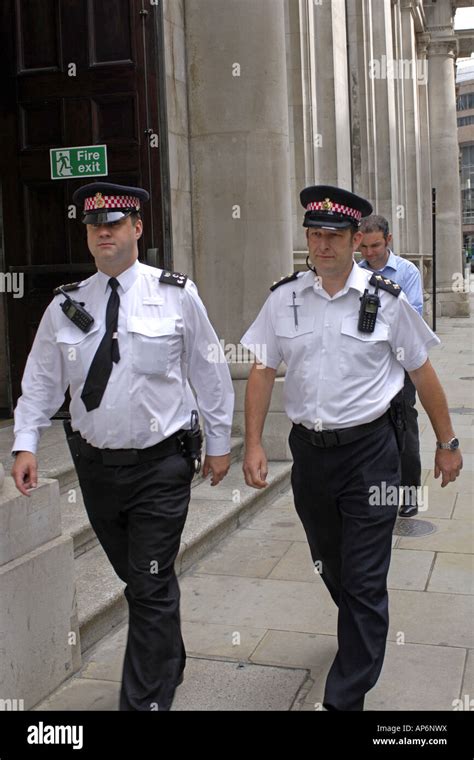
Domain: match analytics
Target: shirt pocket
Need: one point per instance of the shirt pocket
(295, 341)
(154, 344)
(75, 347)
(285, 327)
(363, 354)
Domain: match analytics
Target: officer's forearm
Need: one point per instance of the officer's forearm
(433, 400)
(257, 400)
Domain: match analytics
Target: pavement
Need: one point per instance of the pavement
(260, 627)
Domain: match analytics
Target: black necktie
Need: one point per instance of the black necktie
(107, 353)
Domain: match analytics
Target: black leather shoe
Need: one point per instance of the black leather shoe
(408, 510)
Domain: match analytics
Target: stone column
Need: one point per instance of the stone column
(382, 91)
(328, 40)
(303, 143)
(424, 200)
(425, 158)
(442, 50)
(240, 171)
(358, 86)
(319, 103)
(400, 243)
(407, 75)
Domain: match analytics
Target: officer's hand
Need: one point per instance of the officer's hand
(25, 472)
(255, 467)
(219, 466)
(448, 464)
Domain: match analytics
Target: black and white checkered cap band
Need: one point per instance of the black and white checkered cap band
(99, 202)
(337, 208)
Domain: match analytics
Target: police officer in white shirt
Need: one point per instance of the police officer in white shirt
(346, 336)
(128, 342)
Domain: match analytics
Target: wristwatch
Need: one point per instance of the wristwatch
(451, 445)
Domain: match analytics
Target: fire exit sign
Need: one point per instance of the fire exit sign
(74, 163)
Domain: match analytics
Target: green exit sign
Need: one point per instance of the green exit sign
(74, 163)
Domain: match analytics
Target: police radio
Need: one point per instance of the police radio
(76, 313)
(369, 306)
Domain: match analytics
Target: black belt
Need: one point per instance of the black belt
(326, 439)
(115, 457)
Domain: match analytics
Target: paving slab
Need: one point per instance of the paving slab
(450, 536)
(464, 506)
(83, 694)
(312, 651)
(453, 574)
(254, 557)
(410, 569)
(227, 686)
(437, 502)
(432, 618)
(261, 603)
(211, 639)
(468, 680)
(296, 564)
(280, 525)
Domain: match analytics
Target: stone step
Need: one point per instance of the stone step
(214, 512)
(74, 518)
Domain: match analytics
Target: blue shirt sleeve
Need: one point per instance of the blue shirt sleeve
(412, 288)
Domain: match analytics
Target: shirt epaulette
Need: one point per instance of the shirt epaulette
(385, 284)
(70, 286)
(290, 278)
(174, 278)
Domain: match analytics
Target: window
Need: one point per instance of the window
(467, 206)
(467, 167)
(466, 101)
(464, 121)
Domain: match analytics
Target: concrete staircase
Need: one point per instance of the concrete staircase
(214, 512)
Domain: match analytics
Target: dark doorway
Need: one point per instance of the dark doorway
(74, 73)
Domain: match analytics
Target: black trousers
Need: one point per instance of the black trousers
(351, 538)
(410, 456)
(138, 513)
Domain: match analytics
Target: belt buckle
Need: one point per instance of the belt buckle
(330, 438)
(117, 458)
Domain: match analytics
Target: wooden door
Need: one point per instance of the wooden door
(73, 72)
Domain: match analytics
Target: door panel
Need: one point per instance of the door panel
(46, 103)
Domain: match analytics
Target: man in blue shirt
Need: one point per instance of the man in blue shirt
(378, 256)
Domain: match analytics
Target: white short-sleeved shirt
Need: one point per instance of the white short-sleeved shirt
(166, 342)
(336, 376)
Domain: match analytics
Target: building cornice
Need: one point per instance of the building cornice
(417, 11)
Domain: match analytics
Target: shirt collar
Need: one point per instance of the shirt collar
(357, 280)
(392, 263)
(126, 279)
